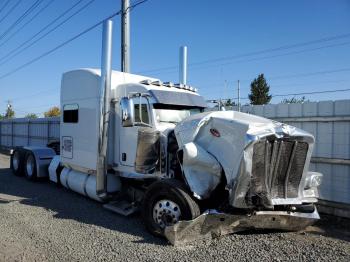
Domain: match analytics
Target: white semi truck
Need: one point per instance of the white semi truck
(175, 162)
(136, 143)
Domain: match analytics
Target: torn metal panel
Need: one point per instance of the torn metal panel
(235, 145)
(213, 224)
(202, 171)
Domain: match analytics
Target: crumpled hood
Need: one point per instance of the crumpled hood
(236, 133)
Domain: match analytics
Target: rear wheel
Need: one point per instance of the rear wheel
(17, 163)
(30, 169)
(165, 203)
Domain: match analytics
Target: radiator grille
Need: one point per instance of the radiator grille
(277, 169)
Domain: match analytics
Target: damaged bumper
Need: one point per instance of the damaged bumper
(213, 224)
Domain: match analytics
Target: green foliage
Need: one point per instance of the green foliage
(294, 100)
(31, 115)
(259, 91)
(52, 112)
(9, 113)
(229, 102)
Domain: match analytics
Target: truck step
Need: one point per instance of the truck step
(122, 207)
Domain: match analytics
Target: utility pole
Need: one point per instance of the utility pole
(125, 37)
(239, 97)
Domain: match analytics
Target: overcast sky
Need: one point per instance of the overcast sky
(300, 46)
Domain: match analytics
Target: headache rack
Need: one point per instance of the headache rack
(277, 169)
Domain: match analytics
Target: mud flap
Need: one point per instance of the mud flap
(212, 224)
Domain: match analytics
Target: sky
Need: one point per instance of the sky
(300, 46)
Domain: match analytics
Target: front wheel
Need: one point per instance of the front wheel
(165, 203)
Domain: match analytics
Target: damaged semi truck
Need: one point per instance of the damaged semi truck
(191, 173)
(135, 143)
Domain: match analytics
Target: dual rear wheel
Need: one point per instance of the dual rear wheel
(24, 163)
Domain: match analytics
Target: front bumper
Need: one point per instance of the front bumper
(213, 224)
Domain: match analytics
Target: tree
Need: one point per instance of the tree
(31, 115)
(294, 100)
(229, 102)
(259, 91)
(52, 112)
(1, 117)
(9, 112)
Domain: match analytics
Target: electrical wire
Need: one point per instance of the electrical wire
(10, 11)
(4, 6)
(47, 33)
(28, 22)
(66, 42)
(20, 19)
(42, 30)
(254, 53)
(295, 94)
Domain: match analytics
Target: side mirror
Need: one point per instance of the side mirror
(127, 111)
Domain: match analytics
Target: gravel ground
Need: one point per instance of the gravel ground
(42, 222)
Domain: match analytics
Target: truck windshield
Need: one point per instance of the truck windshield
(174, 113)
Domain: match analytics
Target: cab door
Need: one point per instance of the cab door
(128, 135)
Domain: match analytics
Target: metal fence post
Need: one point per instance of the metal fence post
(28, 133)
(48, 131)
(12, 133)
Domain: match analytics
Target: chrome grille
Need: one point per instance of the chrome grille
(277, 169)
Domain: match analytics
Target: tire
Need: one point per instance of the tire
(166, 202)
(17, 162)
(30, 168)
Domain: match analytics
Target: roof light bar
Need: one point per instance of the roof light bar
(146, 82)
(168, 84)
(157, 83)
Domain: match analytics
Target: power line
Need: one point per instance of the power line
(312, 93)
(300, 94)
(269, 57)
(4, 6)
(325, 72)
(10, 11)
(253, 53)
(42, 30)
(28, 22)
(47, 33)
(20, 19)
(66, 42)
(34, 94)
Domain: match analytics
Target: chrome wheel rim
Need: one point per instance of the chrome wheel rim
(15, 161)
(30, 165)
(166, 213)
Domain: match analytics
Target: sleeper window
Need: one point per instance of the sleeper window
(71, 113)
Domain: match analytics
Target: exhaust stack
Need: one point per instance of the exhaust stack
(183, 65)
(105, 89)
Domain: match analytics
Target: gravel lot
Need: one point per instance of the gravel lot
(42, 222)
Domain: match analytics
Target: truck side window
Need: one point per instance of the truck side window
(70, 113)
(143, 117)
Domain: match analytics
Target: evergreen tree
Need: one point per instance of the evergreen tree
(259, 91)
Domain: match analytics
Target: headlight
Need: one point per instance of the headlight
(313, 180)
